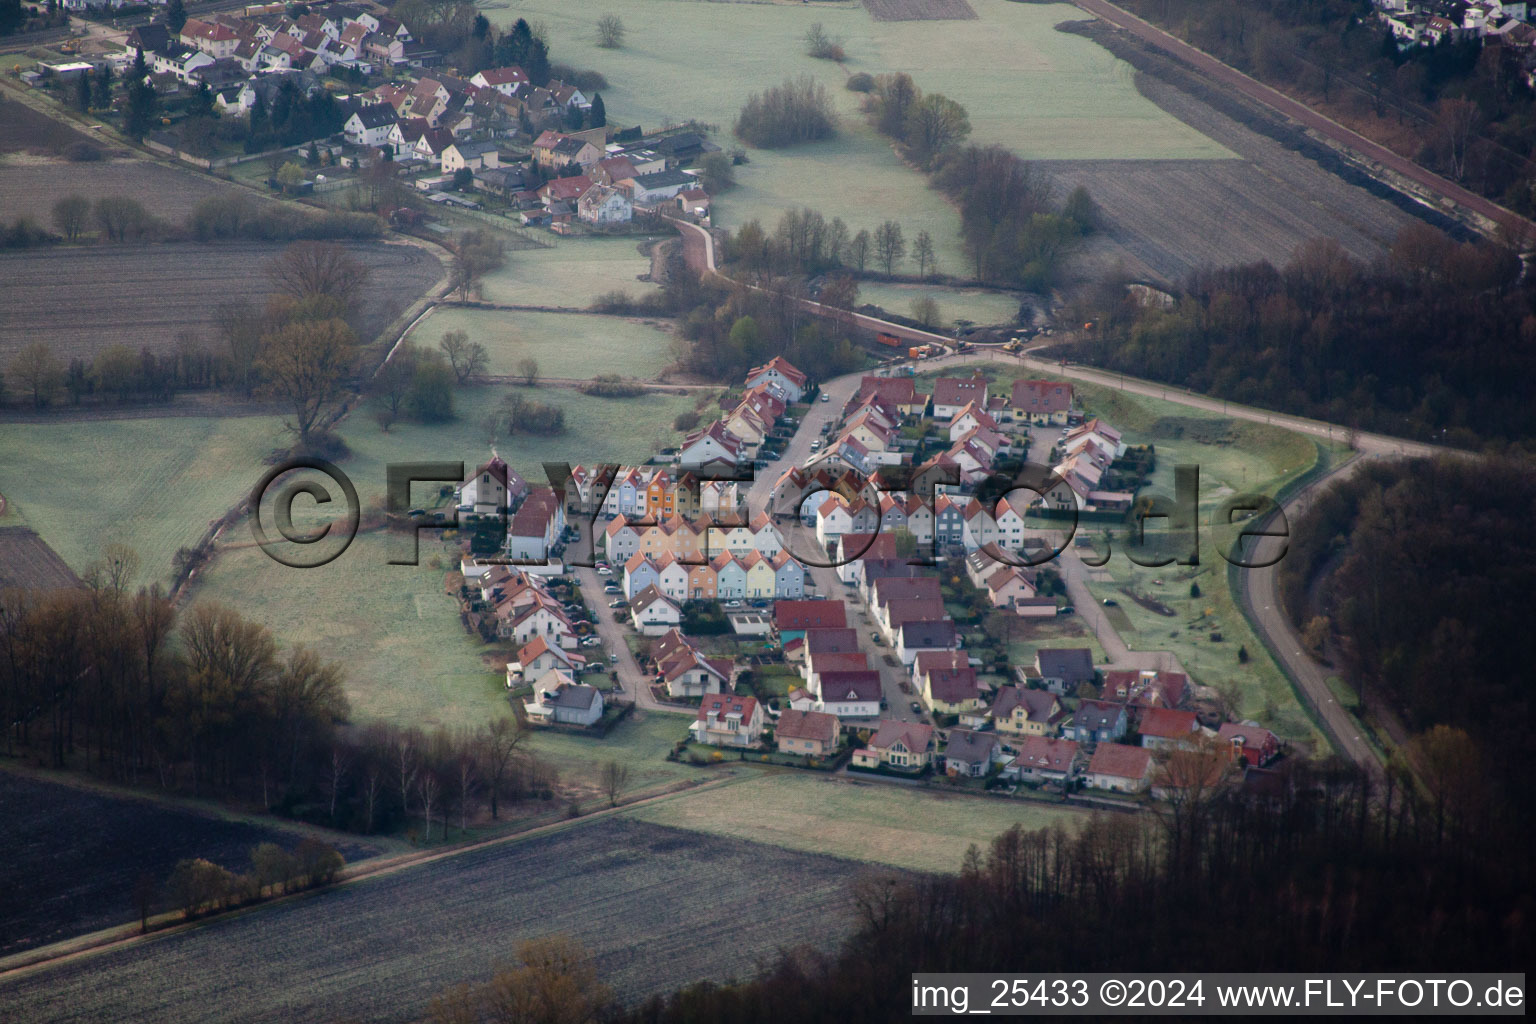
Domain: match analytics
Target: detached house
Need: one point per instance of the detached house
(601, 204)
(809, 733)
(371, 126)
(725, 720)
(1018, 711)
(904, 746)
(1044, 759)
(1063, 669)
(1252, 744)
(969, 754)
(1164, 728)
(558, 699)
(952, 394)
(1120, 768)
(1098, 721)
(782, 372)
(1041, 402)
(654, 613)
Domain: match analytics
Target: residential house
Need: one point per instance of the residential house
(1165, 728)
(539, 656)
(558, 699)
(711, 447)
(555, 150)
(782, 372)
(603, 205)
(903, 746)
(950, 690)
(1119, 768)
(952, 394)
(969, 754)
(1097, 721)
(492, 489)
(663, 186)
(848, 693)
(470, 156)
(654, 613)
(1063, 670)
(689, 673)
(1252, 744)
(808, 733)
(371, 126)
(791, 619)
(503, 80)
(1020, 711)
(971, 417)
(1147, 688)
(1044, 759)
(1041, 402)
(725, 720)
(918, 636)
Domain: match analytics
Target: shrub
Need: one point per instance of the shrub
(685, 421)
(861, 81)
(794, 112)
(81, 152)
(611, 385)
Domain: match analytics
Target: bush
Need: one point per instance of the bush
(861, 81)
(527, 416)
(611, 385)
(794, 112)
(822, 46)
(685, 421)
(81, 152)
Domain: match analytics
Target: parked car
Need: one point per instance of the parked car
(618, 603)
(1110, 602)
(759, 604)
(875, 636)
(604, 571)
(733, 604)
(613, 659)
(612, 588)
(917, 708)
(826, 398)
(1065, 609)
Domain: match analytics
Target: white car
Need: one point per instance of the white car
(604, 571)
(733, 604)
(826, 398)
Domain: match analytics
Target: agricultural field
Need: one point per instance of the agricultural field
(26, 130)
(79, 299)
(26, 561)
(31, 186)
(577, 346)
(572, 272)
(683, 60)
(153, 483)
(917, 829)
(1163, 219)
(73, 853)
(657, 908)
(977, 305)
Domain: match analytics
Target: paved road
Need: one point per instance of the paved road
(1258, 589)
(1231, 78)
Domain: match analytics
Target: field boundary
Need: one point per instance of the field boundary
(42, 958)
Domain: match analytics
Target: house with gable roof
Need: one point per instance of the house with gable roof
(726, 720)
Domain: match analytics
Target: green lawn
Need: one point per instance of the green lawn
(597, 429)
(573, 272)
(572, 345)
(640, 743)
(883, 823)
(1043, 93)
(973, 304)
(1063, 631)
(393, 628)
(153, 483)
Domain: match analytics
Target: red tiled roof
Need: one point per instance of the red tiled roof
(1163, 723)
(1121, 761)
(810, 615)
(807, 725)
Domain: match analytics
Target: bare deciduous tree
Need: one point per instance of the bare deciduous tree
(498, 746)
(610, 32)
(890, 247)
(528, 369)
(615, 779)
(468, 358)
(309, 269)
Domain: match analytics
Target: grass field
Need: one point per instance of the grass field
(885, 824)
(1044, 94)
(397, 634)
(1062, 631)
(639, 743)
(573, 272)
(656, 907)
(973, 304)
(408, 658)
(572, 345)
(58, 880)
(153, 483)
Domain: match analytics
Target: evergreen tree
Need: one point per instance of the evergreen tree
(259, 122)
(83, 93)
(175, 16)
(537, 63)
(482, 27)
(202, 102)
(573, 118)
(141, 97)
(597, 117)
(103, 87)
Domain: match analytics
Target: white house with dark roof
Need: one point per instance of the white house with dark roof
(558, 699)
(654, 613)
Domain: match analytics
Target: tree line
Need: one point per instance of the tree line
(1467, 107)
(119, 683)
(1453, 533)
(795, 111)
(198, 886)
(1318, 869)
(1433, 343)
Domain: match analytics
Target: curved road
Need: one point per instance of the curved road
(1260, 587)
